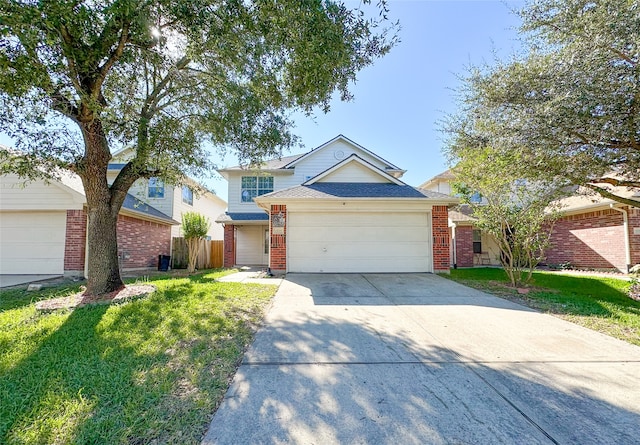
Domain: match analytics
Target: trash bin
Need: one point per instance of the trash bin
(163, 262)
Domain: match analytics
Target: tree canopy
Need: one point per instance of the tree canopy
(80, 79)
(570, 104)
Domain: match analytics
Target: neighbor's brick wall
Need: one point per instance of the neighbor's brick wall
(75, 241)
(634, 240)
(464, 246)
(278, 251)
(590, 240)
(440, 228)
(229, 246)
(140, 242)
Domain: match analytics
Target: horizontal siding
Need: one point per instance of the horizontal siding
(203, 204)
(354, 172)
(250, 245)
(36, 195)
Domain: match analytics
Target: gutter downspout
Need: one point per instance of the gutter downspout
(625, 225)
(453, 243)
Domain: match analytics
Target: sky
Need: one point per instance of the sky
(401, 97)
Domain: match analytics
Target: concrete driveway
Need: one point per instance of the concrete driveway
(418, 359)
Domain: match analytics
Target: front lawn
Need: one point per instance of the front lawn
(599, 303)
(148, 371)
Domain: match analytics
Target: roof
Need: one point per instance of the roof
(462, 214)
(356, 159)
(236, 217)
(328, 190)
(446, 175)
(585, 199)
(272, 164)
(134, 205)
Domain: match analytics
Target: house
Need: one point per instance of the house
(44, 229)
(172, 200)
(337, 208)
(593, 232)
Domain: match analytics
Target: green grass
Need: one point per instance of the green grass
(599, 303)
(148, 371)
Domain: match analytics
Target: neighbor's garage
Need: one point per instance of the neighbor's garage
(359, 242)
(32, 242)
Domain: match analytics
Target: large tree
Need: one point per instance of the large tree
(79, 79)
(570, 103)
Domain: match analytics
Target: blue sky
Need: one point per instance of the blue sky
(400, 98)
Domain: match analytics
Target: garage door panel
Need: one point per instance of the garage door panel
(359, 242)
(32, 242)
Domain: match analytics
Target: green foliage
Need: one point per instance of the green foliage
(569, 104)
(80, 79)
(195, 225)
(152, 370)
(598, 303)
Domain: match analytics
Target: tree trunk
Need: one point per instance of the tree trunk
(103, 207)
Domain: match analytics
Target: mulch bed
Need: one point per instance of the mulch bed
(128, 293)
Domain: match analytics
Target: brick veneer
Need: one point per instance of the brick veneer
(75, 242)
(593, 239)
(464, 246)
(229, 246)
(278, 246)
(139, 242)
(634, 240)
(440, 228)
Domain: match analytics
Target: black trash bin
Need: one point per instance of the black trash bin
(163, 262)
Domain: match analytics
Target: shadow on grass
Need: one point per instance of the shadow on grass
(152, 369)
(19, 298)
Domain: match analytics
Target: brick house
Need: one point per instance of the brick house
(44, 227)
(593, 232)
(337, 208)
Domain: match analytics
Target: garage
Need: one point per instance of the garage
(359, 242)
(32, 242)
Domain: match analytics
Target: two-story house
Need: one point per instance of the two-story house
(172, 200)
(337, 208)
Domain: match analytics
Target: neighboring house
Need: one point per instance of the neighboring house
(593, 232)
(172, 200)
(43, 229)
(337, 208)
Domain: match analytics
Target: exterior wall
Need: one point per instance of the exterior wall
(165, 205)
(440, 187)
(15, 194)
(464, 246)
(440, 227)
(206, 204)
(634, 240)
(75, 242)
(250, 245)
(229, 246)
(140, 242)
(353, 172)
(278, 243)
(592, 240)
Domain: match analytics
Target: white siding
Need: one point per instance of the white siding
(36, 195)
(32, 242)
(359, 242)
(353, 172)
(165, 205)
(250, 243)
(440, 187)
(205, 204)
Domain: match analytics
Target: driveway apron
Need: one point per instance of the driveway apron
(418, 359)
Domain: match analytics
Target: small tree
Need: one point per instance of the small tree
(194, 228)
(518, 214)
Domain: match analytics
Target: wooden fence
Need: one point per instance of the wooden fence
(210, 255)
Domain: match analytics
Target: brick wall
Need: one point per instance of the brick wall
(440, 227)
(75, 242)
(590, 240)
(229, 246)
(140, 242)
(278, 247)
(634, 240)
(464, 246)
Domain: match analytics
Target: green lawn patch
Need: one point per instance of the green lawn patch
(599, 303)
(149, 371)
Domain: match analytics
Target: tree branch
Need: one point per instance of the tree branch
(616, 182)
(607, 194)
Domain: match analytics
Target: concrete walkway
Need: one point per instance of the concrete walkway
(418, 359)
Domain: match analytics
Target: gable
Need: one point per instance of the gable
(15, 194)
(354, 172)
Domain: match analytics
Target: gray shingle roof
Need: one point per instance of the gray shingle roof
(355, 190)
(239, 216)
(135, 205)
(271, 164)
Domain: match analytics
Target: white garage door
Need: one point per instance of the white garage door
(32, 242)
(359, 242)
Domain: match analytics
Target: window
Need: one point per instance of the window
(187, 195)
(266, 242)
(156, 188)
(477, 241)
(476, 198)
(253, 186)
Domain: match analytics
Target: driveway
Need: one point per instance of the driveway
(418, 359)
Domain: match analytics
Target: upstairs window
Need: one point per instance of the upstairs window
(476, 198)
(477, 241)
(187, 195)
(155, 188)
(253, 186)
